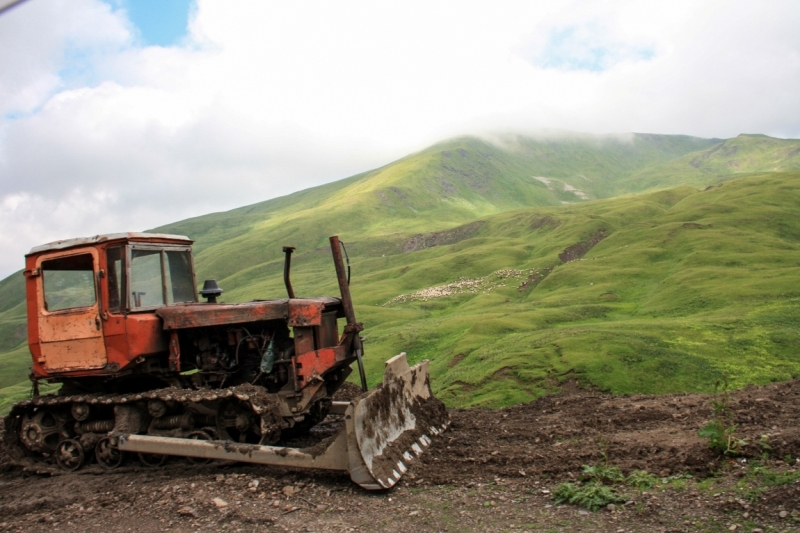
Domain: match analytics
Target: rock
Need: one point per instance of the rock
(220, 478)
(276, 503)
(783, 514)
(413, 513)
(583, 512)
(219, 502)
(734, 527)
(290, 490)
(187, 511)
(321, 507)
(611, 507)
(253, 484)
(757, 530)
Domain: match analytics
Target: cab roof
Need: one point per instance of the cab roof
(122, 237)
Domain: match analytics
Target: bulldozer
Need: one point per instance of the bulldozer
(147, 370)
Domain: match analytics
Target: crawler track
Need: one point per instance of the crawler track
(73, 430)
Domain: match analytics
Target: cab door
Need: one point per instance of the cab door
(70, 327)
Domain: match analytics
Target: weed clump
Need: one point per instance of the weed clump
(596, 488)
(603, 474)
(641, 479)
(592, 496)
(721, 430)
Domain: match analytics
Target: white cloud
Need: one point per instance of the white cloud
(264, 98)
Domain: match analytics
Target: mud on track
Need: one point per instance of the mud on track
(492, 471)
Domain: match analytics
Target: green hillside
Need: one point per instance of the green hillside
(680, 287)
(737, 157)
(514, 263)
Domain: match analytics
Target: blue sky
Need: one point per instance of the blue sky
(161, 22)
(580, 48)
(156, 23)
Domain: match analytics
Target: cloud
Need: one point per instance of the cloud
(584, 48)
(100, 133)
(35, 39)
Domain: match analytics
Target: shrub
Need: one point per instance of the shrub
(641, 479)
(603, 474)
(592, 496)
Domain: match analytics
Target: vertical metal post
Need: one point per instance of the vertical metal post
(341, 276)
(287, 265)
(352, 327)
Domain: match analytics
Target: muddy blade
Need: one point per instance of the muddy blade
(395, 423)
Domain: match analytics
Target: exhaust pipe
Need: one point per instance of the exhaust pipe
(287, 265)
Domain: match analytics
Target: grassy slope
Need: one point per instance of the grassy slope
(454, 183)
(687, 285)
(737, 157)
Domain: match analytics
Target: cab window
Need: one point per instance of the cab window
(160, 277)
(146, 280)
(68, 282)
(115, 273)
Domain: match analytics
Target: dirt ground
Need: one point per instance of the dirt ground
(491, 471)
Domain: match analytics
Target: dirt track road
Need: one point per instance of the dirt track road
(492, 471)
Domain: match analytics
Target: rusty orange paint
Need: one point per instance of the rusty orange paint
(70, 339)
(318, 362)
(145, 335)
(300, 312)
(306, 312)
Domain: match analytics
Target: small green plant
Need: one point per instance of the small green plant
(760, 477)
(763, 443)
(721, 430)
(602, 444)
(641, 479)
(592, 496)
(677, 484)
(602, 474)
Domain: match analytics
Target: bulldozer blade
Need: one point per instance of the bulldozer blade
(395, 422)
(385, 430)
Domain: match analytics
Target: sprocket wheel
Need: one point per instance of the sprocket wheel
(41, 431)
